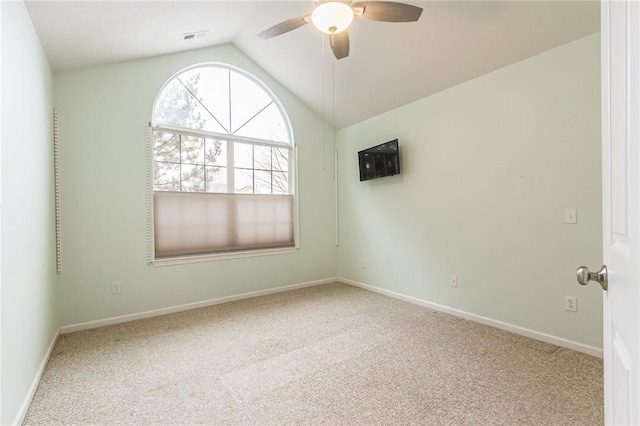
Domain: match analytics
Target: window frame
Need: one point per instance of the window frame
(179, 131)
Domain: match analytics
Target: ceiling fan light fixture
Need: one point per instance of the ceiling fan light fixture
(332, 17)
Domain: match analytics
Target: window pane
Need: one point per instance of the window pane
(180, 105)
(268, 125)
(247, 100)
(197, 90)
(166, 148)
(280, 183)
(262, 157)
(243, 155)
(175, 106)
(216, 152)
(243, 181)
(167, 176)
(213, 92)
(216, 179)
(192, 178)
(192, 150)
(262, 182)
(280, 159)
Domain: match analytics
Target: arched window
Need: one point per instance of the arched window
(222, 165)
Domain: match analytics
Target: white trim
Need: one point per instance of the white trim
(188, 306)
(222, 136)
(221, 256)
(569, 344)
(22, 412)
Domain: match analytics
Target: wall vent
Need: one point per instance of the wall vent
(197, 34)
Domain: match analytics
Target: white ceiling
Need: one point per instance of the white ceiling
(389, 64)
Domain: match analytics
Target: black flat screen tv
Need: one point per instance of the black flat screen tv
(379, 161)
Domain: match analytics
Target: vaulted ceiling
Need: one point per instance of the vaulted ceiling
(389, 64)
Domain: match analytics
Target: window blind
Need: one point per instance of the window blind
(195, 223)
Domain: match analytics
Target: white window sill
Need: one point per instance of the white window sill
(221, 256)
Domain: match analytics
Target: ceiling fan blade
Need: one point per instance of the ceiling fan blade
(340, 44)
(386, 11)
(285, 26)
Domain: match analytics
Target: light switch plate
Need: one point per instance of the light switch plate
(570, 216)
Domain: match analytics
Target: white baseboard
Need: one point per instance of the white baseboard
(590, 350)
(558, 341)
(179, 308)
(22, 412)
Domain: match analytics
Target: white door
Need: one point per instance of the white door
(621, 208)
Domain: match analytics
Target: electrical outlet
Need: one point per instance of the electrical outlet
(453, 280)
(115, 287)
(362, 263)
(571, 216)
(571, 303)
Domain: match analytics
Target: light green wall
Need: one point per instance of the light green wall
(103, 112)
(488, 168)
(28, 247)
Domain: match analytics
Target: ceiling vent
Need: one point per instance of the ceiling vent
(191, 36)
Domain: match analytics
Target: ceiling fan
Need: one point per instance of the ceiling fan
(334, 17)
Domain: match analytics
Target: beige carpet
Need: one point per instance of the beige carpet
(332, 354)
